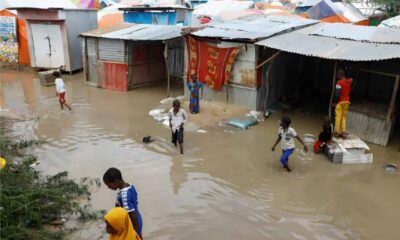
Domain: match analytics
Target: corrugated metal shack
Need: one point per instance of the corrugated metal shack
(243, 87)
(53, 29)
(303, 73)
(127, 55)
(158, 15)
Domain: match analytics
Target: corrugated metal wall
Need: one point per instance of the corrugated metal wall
(176, 57)
(91, 51)
(112, 50)
(78, 21)
(240, 96)
(368, 128)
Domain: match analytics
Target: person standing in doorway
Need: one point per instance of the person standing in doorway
(60, 88)
(341, 102)
(194, 89)
(177, 117)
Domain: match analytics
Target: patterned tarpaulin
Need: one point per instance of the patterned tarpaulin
(91, 4)
(213, 65)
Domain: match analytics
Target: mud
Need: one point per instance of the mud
(227, 185)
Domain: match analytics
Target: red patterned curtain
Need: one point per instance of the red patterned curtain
(212, 65)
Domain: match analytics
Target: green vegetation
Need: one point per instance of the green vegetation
(29, 201)
(390, 7)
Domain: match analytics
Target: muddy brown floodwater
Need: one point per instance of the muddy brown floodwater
(227, 185)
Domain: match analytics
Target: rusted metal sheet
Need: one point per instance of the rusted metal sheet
(146, 64)
(369, 128)
(115, 76)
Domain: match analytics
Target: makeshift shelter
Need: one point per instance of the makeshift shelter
(215, 9)
(328, 11)
(224, 57)
(23, 51)
(303, 73)
(110, 16)
(393, 22)
(158, 15)
(87, 4)
(53, 28)
(127, 56)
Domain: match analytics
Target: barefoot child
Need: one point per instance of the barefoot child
(119, 226)
(177, 117)
(126, 197)
(60, 88)
(287, 135)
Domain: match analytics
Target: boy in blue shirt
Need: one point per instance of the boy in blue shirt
(126, 197)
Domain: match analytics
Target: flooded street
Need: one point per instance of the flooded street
(227, 185)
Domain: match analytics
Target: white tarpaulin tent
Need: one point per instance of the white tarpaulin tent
(393, 22)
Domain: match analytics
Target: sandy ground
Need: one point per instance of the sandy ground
(227, 185)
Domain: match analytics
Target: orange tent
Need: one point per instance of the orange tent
(23, 50)
(110, 20)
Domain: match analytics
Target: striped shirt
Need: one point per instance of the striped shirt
(128, 199)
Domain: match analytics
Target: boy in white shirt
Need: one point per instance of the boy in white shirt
(177, 117)
(287, 135)
(60, 88)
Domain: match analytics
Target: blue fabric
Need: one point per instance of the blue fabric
(194, 104)
(285, 156)
(127, 198)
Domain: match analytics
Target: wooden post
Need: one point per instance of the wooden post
(333, 88)
(166, 67)
(393, 99)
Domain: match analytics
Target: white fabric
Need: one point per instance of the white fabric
(288, 135)
(178, 119)
(60, 85)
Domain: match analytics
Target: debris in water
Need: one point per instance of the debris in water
(158, 114)
(243, 122)
(167, 100)
(201, 131)
(35, 163)
(391, 167)
(147, 139)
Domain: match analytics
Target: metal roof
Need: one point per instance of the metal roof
(253, 29)
(358, 33)
(40, 4)
(137, 32)
(305, 43)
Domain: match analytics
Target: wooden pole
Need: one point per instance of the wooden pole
(269, 59)
(166, 67)
(333, 89)
(393, 99)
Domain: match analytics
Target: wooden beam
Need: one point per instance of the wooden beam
(393, 99)
(166, 67)
(269, 59)
(333, 88)
(376, 72)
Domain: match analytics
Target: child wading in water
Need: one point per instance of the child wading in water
(60, 88)
(287, 135)
(177, 117)
(127, 198)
